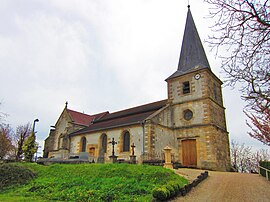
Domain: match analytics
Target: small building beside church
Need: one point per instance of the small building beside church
(191, 120)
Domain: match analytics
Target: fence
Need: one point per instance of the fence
(267, 172)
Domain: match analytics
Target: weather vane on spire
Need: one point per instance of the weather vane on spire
(188, 4)
(66, 104)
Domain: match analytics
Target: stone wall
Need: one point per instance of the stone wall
(207, 125)
(212, 146)
(208, 86)
(49, 144)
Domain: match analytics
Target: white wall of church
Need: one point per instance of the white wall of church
(93, 140)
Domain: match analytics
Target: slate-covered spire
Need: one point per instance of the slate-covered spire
(192, 56)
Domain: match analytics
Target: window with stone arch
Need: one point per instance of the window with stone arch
(186, 87)
(126, 141)
(83, 143)
(103, 141)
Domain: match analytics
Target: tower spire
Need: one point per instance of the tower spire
(192, 55)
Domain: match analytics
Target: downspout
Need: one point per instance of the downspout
(143, 137)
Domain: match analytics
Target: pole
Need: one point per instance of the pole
(33, 132)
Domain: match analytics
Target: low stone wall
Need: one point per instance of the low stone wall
(183, 191)
(61, 161)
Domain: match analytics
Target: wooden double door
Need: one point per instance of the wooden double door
(189, 153)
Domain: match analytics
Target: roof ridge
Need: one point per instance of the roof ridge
(132, 111)
(79, 112)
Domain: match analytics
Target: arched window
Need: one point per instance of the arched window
(103, 139)
(83, 141)
(126, 141)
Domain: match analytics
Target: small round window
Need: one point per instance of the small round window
(188, 114)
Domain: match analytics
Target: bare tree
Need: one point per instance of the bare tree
(22, 132)
(2, 116)
(5, 141)
(242, 28)
(260, 126)
(260, 155)
(240, 157)
(244, 159)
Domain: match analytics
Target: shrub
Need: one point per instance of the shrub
(167, 191)
(171, 190)
(11, 175)
(161, 193)
(175, 187)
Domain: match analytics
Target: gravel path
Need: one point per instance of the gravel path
(225, 186)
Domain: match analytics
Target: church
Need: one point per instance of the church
(191, 121)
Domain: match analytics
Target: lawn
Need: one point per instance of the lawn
(91, 182)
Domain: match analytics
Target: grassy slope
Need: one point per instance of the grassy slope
(91, 182)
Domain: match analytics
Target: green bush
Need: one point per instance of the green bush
(171, 190)
(161, 193)
(11, 175)
(168, 190)
(175, 186)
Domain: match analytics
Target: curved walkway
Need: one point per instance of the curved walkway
(226, 186)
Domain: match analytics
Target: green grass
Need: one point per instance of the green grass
(91, 182)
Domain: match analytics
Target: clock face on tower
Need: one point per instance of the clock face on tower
(197, 76)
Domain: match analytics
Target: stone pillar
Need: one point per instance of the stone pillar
(113, 159)
(168, 158)
(133, 157)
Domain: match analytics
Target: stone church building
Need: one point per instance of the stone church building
(191, 120)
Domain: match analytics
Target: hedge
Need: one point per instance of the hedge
(167, 191)
(11, 175)
(173, 188)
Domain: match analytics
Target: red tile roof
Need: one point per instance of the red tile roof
(126, 117)
(84, 119)
(134, 110)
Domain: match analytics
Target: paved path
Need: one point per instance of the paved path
(225, 186)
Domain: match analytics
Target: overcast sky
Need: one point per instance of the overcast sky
(99, 56)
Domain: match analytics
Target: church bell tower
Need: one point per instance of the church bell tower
(198, 114)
